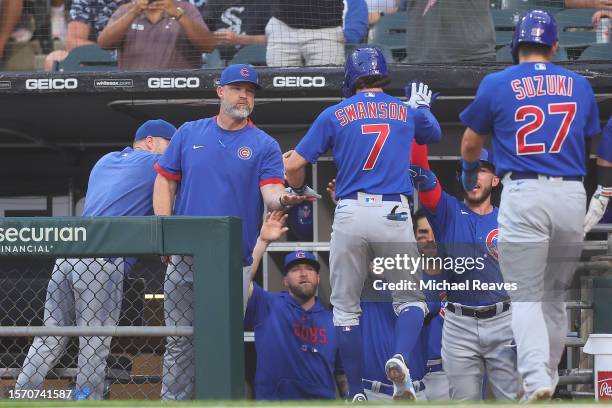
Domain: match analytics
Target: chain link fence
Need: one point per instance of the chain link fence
(59, 326)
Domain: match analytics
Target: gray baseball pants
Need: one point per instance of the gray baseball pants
(81, 292)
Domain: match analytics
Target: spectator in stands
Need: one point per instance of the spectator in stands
(295, 339)
(378, 8)
(449, 31)
(17, 26)
(598, 4)
(237, 23)
(305, 32)
(58, 20)
(164, 34)
(10, 13)
(355, 21)
(87, 19)
(598, 15)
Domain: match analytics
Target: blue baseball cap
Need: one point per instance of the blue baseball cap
(239, 73)
(155, 128)
(298, 257)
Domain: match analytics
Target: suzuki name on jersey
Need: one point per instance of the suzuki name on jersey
(372, 110)
(541, 85)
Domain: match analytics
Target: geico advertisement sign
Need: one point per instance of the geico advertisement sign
(298, 82)
(173, 82)
(51, 83)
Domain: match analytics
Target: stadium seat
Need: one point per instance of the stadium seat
(213, 60)
(89, 58)
(598, 52)
(575, 27)
(504, 55)
(390, 30)
(505, 19)
(251, 54)
(503, 38)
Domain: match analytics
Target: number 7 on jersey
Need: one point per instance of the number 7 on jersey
(381, 130)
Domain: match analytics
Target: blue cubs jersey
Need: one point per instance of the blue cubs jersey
(539, 115)
(604, 151)
(461, 233)
(221, 173)
(297, 350)
(434, 340)
(370, 135)
(121, 183)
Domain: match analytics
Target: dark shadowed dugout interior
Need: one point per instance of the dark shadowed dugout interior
(54, 127)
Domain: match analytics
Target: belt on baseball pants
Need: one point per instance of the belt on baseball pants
(377, 386)
(433, 366)
(385, 197)
(515, 175)
(478, 312)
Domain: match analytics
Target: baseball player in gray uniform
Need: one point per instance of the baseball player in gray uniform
(88, 292)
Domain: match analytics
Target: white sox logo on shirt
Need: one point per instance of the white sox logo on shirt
(491, 242)
(245, 153)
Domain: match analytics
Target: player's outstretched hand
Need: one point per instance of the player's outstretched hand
(419, 95)
(469, 174)
(422, 179)
(597, 207)
(331, 189)
(304, 191)
(274, 226)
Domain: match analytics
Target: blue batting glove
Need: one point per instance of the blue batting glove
(422, 179)
(469, 174)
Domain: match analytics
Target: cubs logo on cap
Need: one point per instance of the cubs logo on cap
(537, 31)
(239, 73)
(245, 153)
(299, 257)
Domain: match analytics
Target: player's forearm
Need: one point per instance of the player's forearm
(604, 173)
(260, 249)
(113, 34)
(198, 35)
(164, 192)
(272, 194)
(418, 155)
(471, 145)
(427, 128)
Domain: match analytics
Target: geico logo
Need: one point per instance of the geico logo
(54, 83)
(179, 82)
(298, 82)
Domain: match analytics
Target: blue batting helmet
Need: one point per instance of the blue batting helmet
(535, 26)
(360, 63)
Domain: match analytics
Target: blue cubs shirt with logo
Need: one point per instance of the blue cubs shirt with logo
(297, 350)
(121, 183)
(370, 135)
(604, 151)
(461, 233)
(221, 172)
(539, 115)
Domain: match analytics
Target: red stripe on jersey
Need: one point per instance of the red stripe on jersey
(265, 182)
(169, 176)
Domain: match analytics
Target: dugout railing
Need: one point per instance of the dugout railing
(213, 242)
